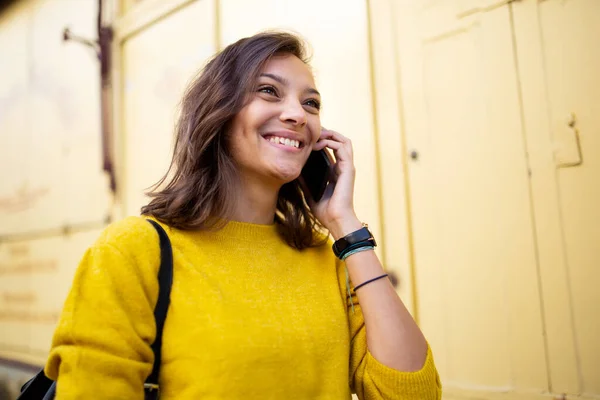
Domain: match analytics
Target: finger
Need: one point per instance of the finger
(342, 151)
(332, 144)
(337, 169)
(337, 148)
(334, 173)
(328, 134)
(325, 134)
(336, 137)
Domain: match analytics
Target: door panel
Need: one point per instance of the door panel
(49, 119)
(558, 64)
(569, 33)
(476, 270)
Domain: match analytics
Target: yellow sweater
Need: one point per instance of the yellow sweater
(250, 318)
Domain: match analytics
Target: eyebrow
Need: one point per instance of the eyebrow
(285, 82)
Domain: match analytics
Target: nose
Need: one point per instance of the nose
(293, 113)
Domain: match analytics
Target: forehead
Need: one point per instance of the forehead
(291, 68)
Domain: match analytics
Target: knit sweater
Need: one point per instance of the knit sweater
(250, 318)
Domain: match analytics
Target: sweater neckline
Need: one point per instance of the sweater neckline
(246, 231)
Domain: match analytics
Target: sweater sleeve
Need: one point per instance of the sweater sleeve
(372, 380)
(101, 346)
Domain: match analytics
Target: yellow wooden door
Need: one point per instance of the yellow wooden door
(559, 64)
(477, 289)
(570, 33)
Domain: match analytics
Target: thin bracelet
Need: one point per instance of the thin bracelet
(369, 281)
(354, 251)
(364, 243)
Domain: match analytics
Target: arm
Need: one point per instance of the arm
(101, 347)
(370, 378)
(393, 337)
(390, 356)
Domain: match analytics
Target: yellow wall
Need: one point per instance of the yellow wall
(50, 168)
(489, 225)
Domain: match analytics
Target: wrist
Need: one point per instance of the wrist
(344, 226)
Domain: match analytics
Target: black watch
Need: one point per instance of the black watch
(356, 237)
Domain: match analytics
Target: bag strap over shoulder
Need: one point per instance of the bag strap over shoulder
(165, 280)
(41, 387)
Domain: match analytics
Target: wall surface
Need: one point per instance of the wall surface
(475, 128)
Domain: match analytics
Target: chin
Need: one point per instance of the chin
(287, 175)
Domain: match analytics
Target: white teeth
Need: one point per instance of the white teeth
(285, 141)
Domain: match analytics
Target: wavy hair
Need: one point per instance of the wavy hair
(196, 192)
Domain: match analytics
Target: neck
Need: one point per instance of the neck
(256, 202)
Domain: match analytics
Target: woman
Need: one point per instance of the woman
(259, 305)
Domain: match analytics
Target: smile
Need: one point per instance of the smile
(286, 142)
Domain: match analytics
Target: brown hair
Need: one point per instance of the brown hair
(197, 190)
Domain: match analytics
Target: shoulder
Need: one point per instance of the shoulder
(134, 238)
(128, 231)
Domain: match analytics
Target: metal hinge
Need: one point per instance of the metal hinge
(567, 142)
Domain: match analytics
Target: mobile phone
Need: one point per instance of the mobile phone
(316, 173)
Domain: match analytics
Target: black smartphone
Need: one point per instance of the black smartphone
(316, 173)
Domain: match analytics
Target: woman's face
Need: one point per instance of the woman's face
(273, 135)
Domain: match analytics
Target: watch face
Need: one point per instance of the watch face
(362, 235)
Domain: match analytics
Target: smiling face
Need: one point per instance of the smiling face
(273, 135)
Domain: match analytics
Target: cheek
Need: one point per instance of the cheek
(257, 113)
(246, 116)
(314, 128)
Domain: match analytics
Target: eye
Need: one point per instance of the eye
(270, 90)
(313, 103)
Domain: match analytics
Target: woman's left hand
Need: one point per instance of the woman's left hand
(335, 210)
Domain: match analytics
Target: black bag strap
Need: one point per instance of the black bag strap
(165, 281)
